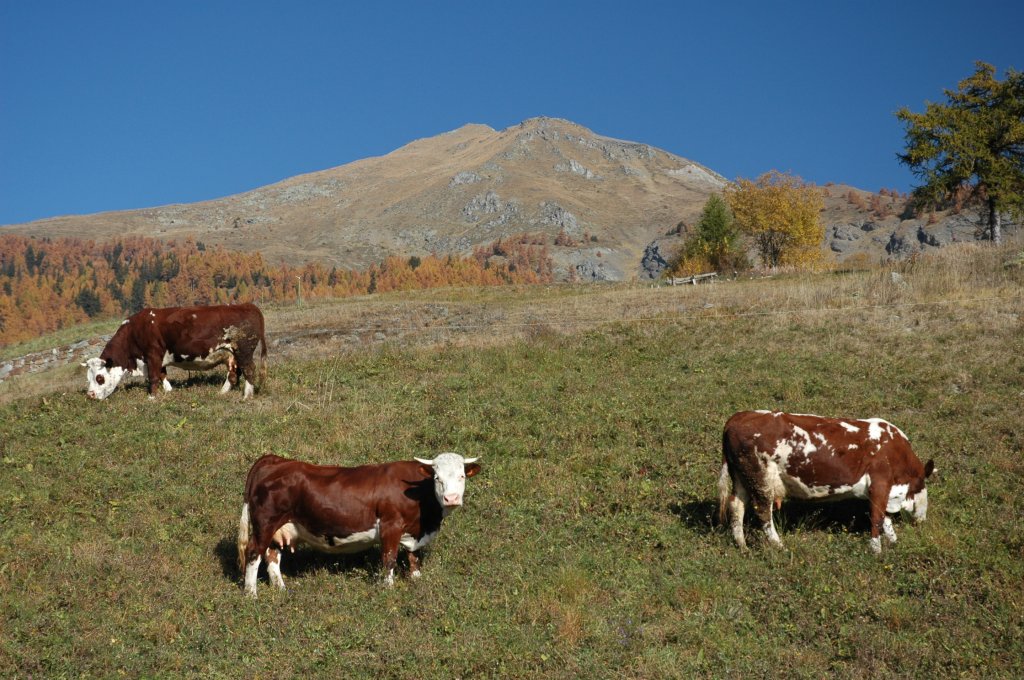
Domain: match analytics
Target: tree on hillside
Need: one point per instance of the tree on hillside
(714, 244)
(782, 214)
(974, 141)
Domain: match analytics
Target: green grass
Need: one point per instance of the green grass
(586, 547)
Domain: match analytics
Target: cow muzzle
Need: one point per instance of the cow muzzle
(452, 500)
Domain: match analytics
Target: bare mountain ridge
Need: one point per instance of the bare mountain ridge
(615, 199)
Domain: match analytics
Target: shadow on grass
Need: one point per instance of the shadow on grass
(848, 516)
(701, 515)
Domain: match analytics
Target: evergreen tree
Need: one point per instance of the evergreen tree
(973, 142)
(716, 236)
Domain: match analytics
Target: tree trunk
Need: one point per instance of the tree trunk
(994, 223)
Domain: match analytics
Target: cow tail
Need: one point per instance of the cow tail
(244, 528)
(724, 492)
(263, 358)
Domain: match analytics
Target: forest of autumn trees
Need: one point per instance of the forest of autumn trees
(47, 284)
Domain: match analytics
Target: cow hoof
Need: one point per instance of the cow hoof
(416, 574)
(876, 546)
(251, 594)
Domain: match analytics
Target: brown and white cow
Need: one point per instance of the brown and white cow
(192, 338)
(346, 509)
(768, 456)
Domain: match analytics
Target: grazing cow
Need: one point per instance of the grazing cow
(346, 509)
(192, 338)
(770, 455)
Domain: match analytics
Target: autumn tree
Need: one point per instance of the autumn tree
(782, 214)
(973, 141)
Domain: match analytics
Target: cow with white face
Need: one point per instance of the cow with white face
(190, 338)
(767, 456)
(346, 509)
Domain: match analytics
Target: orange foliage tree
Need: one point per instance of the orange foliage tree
(47, 284)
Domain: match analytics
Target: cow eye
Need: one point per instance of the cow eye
(99, 380)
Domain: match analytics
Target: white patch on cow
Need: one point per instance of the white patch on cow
(890, 533)
(412, 545)
(801, 441)
(152, 313)
(358, 541)
(226, 387)
(875, 428)
(876, 545)
(193, 316)
(821, 438)
(852, 447)
(248, 391)
(125, 322)
(782, 451)
(898, 498)
(848, 427)
(756, 435)
(416, 573)
(389, 580)
(762, 411)
(798, 489)
(167, 385)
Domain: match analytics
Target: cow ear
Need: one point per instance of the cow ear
(427, 470)
(472, 469)
(929, 468)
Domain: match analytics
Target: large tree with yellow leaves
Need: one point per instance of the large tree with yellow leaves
(782, 214)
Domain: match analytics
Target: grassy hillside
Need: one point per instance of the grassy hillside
(587, 546)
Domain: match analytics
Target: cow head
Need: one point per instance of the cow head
(104, 377)
(449, 471)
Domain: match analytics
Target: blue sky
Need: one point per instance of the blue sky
(119, 105)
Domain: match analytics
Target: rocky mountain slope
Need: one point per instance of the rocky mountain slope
(614, 202)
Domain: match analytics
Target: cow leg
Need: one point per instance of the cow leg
(414, 565)
(389, 541)
(252, 568)
(737, 508)
(247, 369)
(878, 496)
(156, 374)
(232, 378)
(890, 533)
(274, 567)
(258, 545)
(769, 529)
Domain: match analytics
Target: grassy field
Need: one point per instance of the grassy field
(587, 546)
